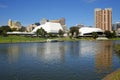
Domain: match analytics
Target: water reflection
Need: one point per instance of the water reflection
(13, 53)
(103, 58)
(84, 60)
(74, 48)
(87, 48)
(44, 51)
(52, 51)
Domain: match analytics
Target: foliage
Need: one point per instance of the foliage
(94, 35)
(37, 23)
(41, 32)
(60, 32)
(114, 34)
(4, 30)
(22, 29)
(74, 31)
(110, 34)
(52, 35)
(14, 29)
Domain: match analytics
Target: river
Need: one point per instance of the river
(76, 60)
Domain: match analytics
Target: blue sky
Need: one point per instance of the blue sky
(74, 11)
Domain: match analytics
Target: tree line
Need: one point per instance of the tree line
(73, 32)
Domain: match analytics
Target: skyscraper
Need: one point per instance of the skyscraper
(103, 19)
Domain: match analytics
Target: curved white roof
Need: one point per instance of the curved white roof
(85, 30)
(49, 27)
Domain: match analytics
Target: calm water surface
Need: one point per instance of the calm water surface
(81, 60)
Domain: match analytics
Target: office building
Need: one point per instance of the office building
(103, 19)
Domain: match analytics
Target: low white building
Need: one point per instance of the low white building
(49, 27)
(89, 30)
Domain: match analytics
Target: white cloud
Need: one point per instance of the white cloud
(3, 6)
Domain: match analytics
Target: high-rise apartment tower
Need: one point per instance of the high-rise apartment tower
(103, 19)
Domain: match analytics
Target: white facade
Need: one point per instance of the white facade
(87, 30)
(49, 27)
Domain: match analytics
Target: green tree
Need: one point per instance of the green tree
(74, 31)
(110, 34)
(60, 32)
(41, 32)
(4, 30)
(37, 23)
(22, 29)
(114, 34)
(94, 35)
(14, 29)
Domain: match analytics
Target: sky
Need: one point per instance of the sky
(74, 11)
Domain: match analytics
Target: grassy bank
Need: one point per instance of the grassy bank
(14, 39)
(113, 76)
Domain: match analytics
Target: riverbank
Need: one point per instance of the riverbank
(15, 39)
(113, 76)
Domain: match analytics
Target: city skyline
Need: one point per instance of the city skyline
(75, 11)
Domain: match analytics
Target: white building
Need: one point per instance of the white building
(89, 30)
(49, 27)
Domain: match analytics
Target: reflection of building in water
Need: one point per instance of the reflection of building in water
(44, 51)
(86, 48)
(104, 57)
(52, 51)
(13, 53)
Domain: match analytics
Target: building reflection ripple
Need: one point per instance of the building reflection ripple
(103, 58)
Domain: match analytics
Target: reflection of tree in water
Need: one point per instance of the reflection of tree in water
(118, 54)
(74, 48)
(103, 57)
(117, 49)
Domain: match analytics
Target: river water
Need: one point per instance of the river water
(77, 60)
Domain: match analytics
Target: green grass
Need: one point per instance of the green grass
(14, 39)
(113, 76)
(117, 76)
(115, 39)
